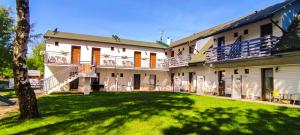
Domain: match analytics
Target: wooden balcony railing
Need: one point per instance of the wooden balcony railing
(253, 48)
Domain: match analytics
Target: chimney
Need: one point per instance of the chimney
(169, 41)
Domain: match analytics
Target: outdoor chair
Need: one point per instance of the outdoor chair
(276, 95)
(295, 97)
(250, 94)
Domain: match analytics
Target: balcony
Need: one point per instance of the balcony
(253, 48)
(108, 61)
(179, 61)
(128, 63)
(57, 58)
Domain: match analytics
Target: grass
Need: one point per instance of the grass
(153, 113)
(9, 93)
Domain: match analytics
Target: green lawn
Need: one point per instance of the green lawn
(153, 113)
(9, 93)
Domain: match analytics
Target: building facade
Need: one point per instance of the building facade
(249, 57)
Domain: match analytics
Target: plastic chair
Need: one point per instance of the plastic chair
(276, 95)
(295, 97)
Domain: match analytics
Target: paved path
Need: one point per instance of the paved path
(5, 110)
(258, 101)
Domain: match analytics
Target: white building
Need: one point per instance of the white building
(120, 64)
(249, 57)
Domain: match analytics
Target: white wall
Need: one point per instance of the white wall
(253, 31)
(126, 83)
(287, 79)
(86, 49)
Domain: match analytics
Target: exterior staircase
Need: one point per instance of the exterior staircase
(67, 75)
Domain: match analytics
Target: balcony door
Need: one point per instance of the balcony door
(220, 51)
(266, 30)
(152, 60)
(75, 55)
(96, 56)
(137, 59)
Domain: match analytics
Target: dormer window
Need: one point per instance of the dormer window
(56, 43)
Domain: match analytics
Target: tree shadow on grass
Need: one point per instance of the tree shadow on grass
(234, 121)
(103, 111)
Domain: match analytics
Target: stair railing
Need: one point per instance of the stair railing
(60, 77)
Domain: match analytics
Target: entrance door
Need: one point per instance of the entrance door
(152, 82)
(200, 84)
(75, 53)
(95, 83)
(266, 30)
(96, 56)
(221, 78)
(172, 80)
(191, 81)
(237, 87)
(152, 60)
(137, 81)
(137, 59)
(267, 83)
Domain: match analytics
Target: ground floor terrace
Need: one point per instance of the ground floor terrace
(272, 79)
(153, 113)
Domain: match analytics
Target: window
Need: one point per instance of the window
(191, 49)
(178, 50)
(112, 48)
(246, 71)
(183, 49)
(182, 74)
(236, 71)
(56, 43)
(172, 53)
(178, 74)
(236, 34)
(166, 53)
(124, 49)
(121, 75)
(112, 74)
(246, 31)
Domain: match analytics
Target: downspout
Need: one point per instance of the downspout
(275, 23)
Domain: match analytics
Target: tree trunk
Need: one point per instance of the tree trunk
(26, 96)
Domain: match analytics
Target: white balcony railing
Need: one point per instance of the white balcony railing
(57, 58)
(108, 61)
(179, 61)
(129, 62)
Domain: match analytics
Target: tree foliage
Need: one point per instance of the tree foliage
(7, 31)
(36, 60)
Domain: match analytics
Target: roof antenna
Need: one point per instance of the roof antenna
(161, 35)
(117, 38)
(55, 31)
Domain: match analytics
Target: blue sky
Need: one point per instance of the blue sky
(136, 19)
